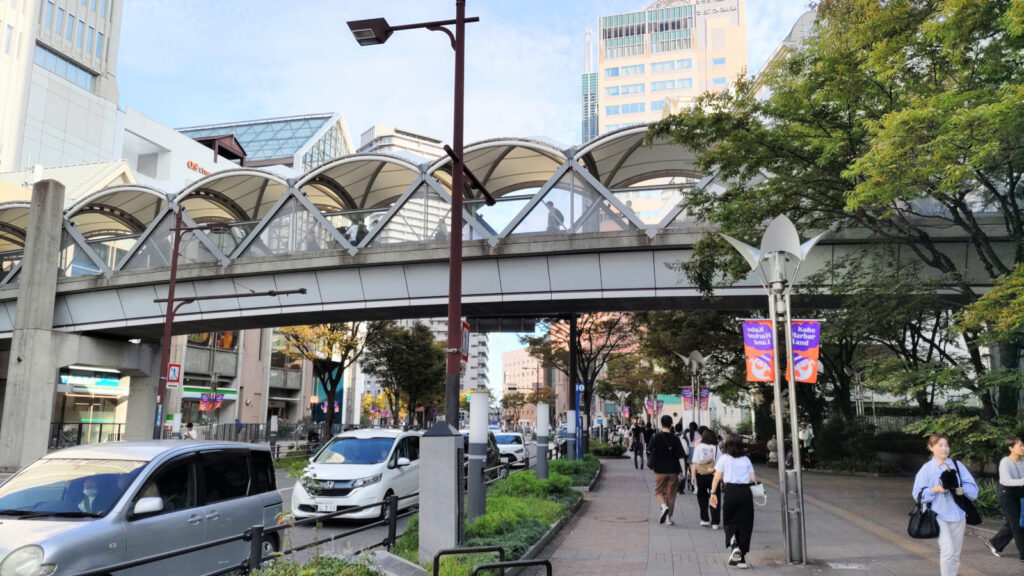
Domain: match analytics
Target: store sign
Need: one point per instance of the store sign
(197, 168)
(99, 386)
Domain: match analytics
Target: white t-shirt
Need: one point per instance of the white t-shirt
(735, 470)
(706, 452)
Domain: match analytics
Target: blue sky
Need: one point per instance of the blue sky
(190, 62)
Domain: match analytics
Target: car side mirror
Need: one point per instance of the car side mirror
(403, 462)
(147, 506)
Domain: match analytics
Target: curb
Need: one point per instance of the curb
(590, 487)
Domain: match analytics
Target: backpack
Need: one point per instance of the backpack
(650, 451)
(707, 465)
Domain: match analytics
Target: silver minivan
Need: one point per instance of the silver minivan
(98, 505)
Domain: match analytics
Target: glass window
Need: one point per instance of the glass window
(611, 91)
(88, 40)
(508, 438)
(719, 81)
(263, 479)
(657, 105)
(7, 40)
(685, 63)
(85, 2)
(611, 127)
(227, 340)
(684, 83)
(610, 72)
(173, 484)
(718, 62)
(225, 476)
(408, 447)
(200, 339)
(60, 21)
(663, 85)
(93, 7)
(71, 26)
(48, 17)
(69, 487)
(99, 44)
(611, 110)
(81, 32)
(351, 450)
(103, 8)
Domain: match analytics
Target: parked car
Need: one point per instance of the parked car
(513, 448)
(493, 428)
(358, 468)
(491, 470)
(93, 506)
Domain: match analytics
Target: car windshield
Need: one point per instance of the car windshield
(508, 438)
(68, 486)
(351, 450)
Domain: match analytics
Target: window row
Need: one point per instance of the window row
(633, 108)
(672, 65)
(671, 84)
(624, 70)
(625, 89)
(64, 68)
(68, 32)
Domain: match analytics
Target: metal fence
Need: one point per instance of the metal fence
(64, 435)
(888, 422)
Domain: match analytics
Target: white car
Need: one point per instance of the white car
(358, 468)
(512, 446)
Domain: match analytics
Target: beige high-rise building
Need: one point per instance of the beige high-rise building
(58, 62)
(670, 50)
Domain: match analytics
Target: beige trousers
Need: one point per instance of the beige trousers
(951, 541)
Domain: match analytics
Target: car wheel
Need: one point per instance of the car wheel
(385, 510)
(270, 545)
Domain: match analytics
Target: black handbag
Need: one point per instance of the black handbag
(965, 503)
(923, 522)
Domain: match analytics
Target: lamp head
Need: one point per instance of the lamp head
(370, 32)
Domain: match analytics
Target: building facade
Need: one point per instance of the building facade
(389, 140)
(672, 49)
(58, 64)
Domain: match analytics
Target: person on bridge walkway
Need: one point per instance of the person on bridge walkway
(669, 459)
(556, 221)
(931, 487)
(735, 471)
(1011, 490)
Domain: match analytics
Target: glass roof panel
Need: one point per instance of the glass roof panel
(266, 139)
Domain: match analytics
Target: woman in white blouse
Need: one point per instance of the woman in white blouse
(1011, 490)
(737, 473)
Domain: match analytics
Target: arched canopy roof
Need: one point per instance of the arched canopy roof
(117, 210)
(620, 159)
(13, 223)
(359, 181)
(237, 195)
(505, 165)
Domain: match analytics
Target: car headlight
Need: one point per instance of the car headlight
(308, 484)
(359, 483)
(26, 561)
(519, 450)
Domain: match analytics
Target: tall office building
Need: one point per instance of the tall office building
(389, 140)
(58, 63)
(671, 49)
(588, 96)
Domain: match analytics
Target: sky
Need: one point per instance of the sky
(192, 62)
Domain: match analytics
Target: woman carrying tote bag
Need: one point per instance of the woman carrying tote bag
(939, 482)
(705, 456)
(735, 471)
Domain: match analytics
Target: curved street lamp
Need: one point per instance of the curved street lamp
(777, 264)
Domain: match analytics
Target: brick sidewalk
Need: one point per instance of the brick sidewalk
(855, 526)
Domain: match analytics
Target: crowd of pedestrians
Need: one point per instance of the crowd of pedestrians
(691, 460)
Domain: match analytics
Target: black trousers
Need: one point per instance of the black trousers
(1009, 502)
(707, 513)
(638, 452)
(738, 516)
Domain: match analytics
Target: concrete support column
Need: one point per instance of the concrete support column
(141, 407)
(543, 429)
(32, 374)
(441, 507)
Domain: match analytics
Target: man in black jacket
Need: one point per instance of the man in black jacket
(637, 445)
(669, 457)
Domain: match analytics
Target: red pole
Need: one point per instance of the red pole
(452, 384)
(165, 342)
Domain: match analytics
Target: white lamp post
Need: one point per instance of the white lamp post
(777, 264)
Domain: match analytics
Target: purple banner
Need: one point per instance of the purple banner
(661, 404)
(759, 348)
(688, 398)
(806, 348)
(705, 397)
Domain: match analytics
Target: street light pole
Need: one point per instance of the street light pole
(771, 262)
(165, 341)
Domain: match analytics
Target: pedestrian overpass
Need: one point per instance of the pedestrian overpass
(593, 228)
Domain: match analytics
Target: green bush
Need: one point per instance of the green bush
(321, 566)
(506, 512)
(408, 544)
(988, 501)
(607, 450)
(580, 472)
(514, 539)
(526, 484)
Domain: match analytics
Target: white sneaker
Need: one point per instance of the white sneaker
(715, 527)
(669, 522)
(664, 514)
(734, 557)
(742, 565)
(703, 523)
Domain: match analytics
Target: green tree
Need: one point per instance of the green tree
(513, 403)
(331, 348)
(904, 118)
(409, 365)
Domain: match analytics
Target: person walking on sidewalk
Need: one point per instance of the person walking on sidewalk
(668, 460)
(1011, 490)
(637, 445)
(940, 481)
(705, 455)
(735, 471)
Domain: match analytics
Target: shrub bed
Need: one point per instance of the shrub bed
(988, 501)
(322, 566)
(580, 472)
(520, 509)
(607, 450)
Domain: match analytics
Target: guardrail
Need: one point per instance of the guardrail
(257, 536)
